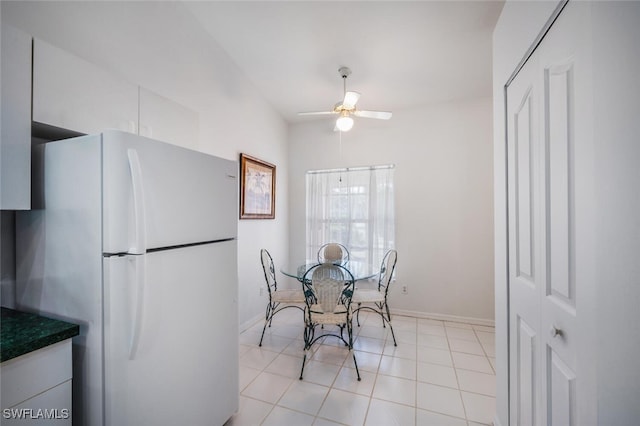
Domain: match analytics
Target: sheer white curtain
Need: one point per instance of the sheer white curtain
(354, 207)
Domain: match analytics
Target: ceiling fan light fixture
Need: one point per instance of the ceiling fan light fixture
(347, 107)
(344, 123)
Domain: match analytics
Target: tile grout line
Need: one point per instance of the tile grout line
(455, 371)
(380, 353)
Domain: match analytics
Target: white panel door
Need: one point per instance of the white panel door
(525, 276)
(566, 81)
(171, 337)
(557, 80)
(159, 195)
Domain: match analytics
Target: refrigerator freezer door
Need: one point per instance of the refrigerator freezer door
(161, 195)
(171, 341)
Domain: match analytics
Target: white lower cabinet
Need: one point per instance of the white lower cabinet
(36, 387)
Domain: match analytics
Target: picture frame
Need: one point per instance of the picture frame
(257, 188)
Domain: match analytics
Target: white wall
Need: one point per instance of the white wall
(444, 200)
(616, 67)
(160, 46)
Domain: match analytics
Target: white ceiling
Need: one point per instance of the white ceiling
(402, 54)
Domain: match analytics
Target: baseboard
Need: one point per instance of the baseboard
(444, 317)
(250, 323)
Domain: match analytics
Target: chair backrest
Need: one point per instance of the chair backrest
(387, 267)
(330, 286)
(269, 270)
(333, 253)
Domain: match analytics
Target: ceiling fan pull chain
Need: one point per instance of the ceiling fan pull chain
(340, 155)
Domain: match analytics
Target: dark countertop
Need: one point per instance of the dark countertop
(23, 332)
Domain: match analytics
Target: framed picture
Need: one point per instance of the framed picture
(257, 188)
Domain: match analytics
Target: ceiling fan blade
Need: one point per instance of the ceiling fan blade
(350, 100)
(318, 113)
(382, 115)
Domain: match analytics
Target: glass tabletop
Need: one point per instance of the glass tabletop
(359, 270)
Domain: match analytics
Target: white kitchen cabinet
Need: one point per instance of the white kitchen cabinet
(166, 120)
(73, 94)
(37, 387)
(15, 142)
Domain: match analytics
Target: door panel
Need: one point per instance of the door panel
(561, 394)
(524, 196)
(559, 105)
(524, 242)
(526, 368)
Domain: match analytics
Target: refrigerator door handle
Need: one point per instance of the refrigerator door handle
(140, 241)
(140, 271)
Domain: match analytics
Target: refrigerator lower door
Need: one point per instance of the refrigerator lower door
(160, 195)
(171, 336)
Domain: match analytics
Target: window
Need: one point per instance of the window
(354, 207)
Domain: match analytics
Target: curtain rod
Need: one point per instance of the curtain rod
(352, 169)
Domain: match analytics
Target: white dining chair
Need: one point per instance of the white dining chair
(333, 253)
(279, 299)
(376, 300)
(328, 290)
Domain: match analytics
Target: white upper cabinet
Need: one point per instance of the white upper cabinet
(15, 140)
(73, 94)
(166, 120)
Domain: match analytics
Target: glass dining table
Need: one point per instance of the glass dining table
(359, 270)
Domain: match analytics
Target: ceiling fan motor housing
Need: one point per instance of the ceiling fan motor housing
(344, 72)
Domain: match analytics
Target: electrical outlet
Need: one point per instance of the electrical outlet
(405, 290)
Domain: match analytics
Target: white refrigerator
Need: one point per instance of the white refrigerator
(136, 242)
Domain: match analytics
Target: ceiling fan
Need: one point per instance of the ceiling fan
(347, 107)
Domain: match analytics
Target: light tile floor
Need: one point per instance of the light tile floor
(441, 373)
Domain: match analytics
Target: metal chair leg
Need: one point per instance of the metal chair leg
(381, 312)
(355, 363)
(304, 359)
(273, 312)
(393, 335)
(388, 319)
(308, 338)
(267, 320)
